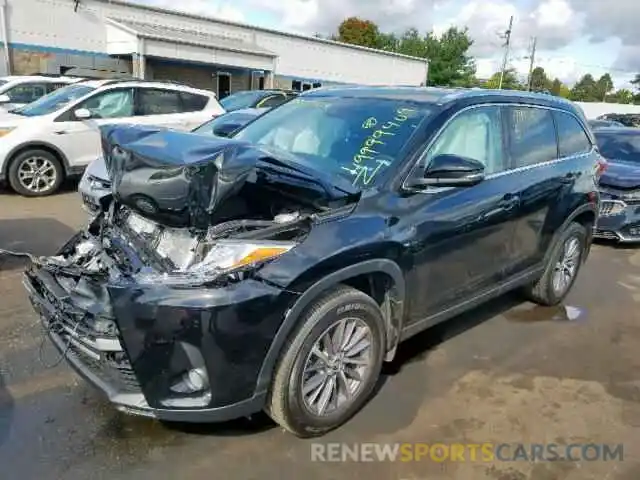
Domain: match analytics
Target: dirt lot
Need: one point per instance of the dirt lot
(509, 372)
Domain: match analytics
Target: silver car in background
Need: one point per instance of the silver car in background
(95, 184)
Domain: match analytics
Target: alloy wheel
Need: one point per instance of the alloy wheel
(337, 366)
(567, 266)
(37, 174)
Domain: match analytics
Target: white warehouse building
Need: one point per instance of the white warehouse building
(107, 38)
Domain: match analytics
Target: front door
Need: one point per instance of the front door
(79, 139)
(224, 85)
(462, 234)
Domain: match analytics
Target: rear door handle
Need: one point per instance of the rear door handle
(509, 202)
(571, 177)
(61, 132)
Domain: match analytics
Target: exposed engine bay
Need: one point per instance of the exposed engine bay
(191, 208)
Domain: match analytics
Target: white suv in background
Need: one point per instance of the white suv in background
(19, 90)
(58, 136)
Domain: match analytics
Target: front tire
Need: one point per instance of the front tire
(35, 173)
(330, 365)
(562, 268)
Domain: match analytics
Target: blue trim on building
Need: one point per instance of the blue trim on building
(62, 51)
(232, 70)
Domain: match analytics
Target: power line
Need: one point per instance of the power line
(507, 46)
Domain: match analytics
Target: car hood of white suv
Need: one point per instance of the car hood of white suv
(11, 120)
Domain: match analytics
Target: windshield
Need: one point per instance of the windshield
(624, 147)
(54, 101)
(354, 138)
(225, 123)
(241, 100)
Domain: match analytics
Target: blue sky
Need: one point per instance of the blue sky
(574, 36)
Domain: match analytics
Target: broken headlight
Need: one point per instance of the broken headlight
(222, 257)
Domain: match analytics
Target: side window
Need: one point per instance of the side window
(115, 103)
(477, 134)
(26, 93)
(155, 101)
(54, 86)
(272, 101)
(192, 102)
(532, 136)
(572, 139)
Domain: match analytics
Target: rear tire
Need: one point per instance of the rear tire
(35, 173)
(563, 265)
(310, 397)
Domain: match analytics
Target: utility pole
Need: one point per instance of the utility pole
(507, 46)
(533, 59)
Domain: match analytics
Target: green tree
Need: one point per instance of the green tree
(509, 80)
(559, 89)
(604, 86)
(636, 81)
(388, 42)
(449, 61)
(621, 96)
(412, 43)
(585, 90)
(357, 31)
(539, 80)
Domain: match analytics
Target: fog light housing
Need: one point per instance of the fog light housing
(192, 381)
(191, 390)
(634, 231)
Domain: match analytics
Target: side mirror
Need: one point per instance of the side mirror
(450, 171)
(225, 130)
(82, 114)
(4, 99)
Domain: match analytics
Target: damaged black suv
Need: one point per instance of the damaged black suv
(278, 269)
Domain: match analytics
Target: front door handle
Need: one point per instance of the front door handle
(61, 132)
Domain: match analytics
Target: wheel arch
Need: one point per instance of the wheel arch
(382, 279)
(48, 147)
(586, 215)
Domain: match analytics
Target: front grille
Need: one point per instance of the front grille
(605, 235)
(611, 207)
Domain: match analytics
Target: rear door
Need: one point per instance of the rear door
(546, 167)
(170, 108)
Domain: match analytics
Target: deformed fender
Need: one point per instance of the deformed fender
(393, 318)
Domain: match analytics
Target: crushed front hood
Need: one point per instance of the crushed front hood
(179, 178)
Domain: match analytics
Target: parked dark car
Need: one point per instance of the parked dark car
(256, 99)
(604, 123)
(626, 119)
(620, 184)
(313, 242)
(95, 184)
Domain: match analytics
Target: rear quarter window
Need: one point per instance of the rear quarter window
(572, 139)
(192, 102)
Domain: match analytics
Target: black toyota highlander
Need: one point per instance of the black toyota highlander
(280, 268)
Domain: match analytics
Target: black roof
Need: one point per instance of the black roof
(443, 96)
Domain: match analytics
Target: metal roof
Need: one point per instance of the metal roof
(208, 18)
(189, 37)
